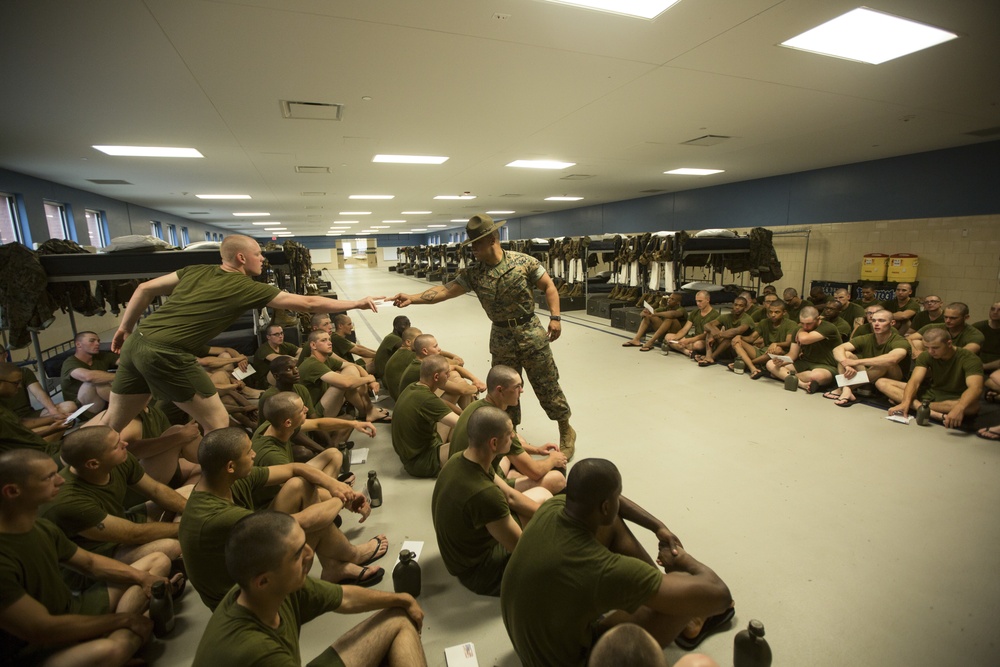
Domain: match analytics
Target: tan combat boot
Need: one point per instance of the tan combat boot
(567, 439)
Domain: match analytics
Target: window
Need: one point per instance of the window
(208, 236)
(185, 237)
(171, 234)
(10, 227)
(360, 246)
(218, 237)
(156, 229)
(347, 248)
(96, 228)
(55, 218)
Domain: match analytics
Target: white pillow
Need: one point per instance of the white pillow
(203, 245)
(702, 286)
(718, 233)
(135, 242)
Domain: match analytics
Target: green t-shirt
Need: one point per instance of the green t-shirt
(505, 291)
(342, 347)
(411, 373)
(851, 312)
(270, 452)
(771, 334)
(843, 327)
(969, 334)
(414, 429)
(262, 366)
(205, 301)
(20, 403)
(15, 436)
(29, 565)
(101, 361)
(81, 505)
(923, 318)
(234, 636)
(205, 527)
(990, 350)
(726, 321)
(821, 352)
(459, 440)
(385, 350)
(465, 499)
(299, 389)
(948, 377)
(698, 320)
(892, 305)
(559, 565)
(394, 369)
(867, 347)
(311, 372)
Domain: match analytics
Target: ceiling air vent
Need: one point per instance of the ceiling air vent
(707, 140)
(986, 132)
(510, 194)
(653, 191)
(576, 177)
(311, 110)
(313, 194)
(302, 169)
(197, 212)
(108, 181)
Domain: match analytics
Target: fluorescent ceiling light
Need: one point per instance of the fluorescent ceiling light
(642, 9)
(458, 220)
(868, 36)
(355, 213)
(345, 222)
(148, 151)
(371, 196)
(437, 226)
(416, 212)
(263, 223)
(251, 215)
(406, 232)
(422, 229)
(223, 196)
(499, 212)
(380, 226)
(455, 197)
(563, 198)
(276, 229)
(690, 171)
(540, 164)
(410, 159)
(334, 234)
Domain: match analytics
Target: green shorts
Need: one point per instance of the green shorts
(486, 577)
(936, 395)
(802, 365)
(328, 658)
(150, 368)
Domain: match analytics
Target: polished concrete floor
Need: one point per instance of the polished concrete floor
(857, 541)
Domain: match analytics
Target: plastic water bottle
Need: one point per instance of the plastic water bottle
(924, 413)
(750, 649)
(791, 382)
(374, 489)
(406, 574)
(161, 610)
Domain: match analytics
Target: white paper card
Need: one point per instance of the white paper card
(381, 303)
(239, 375)
(415, 546)
(359, 455)
(77, 413)
(647, 306)
(781, 357)
(463, 655)
(900, 419)
(860, 378)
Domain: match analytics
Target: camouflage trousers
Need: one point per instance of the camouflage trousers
(526, 348)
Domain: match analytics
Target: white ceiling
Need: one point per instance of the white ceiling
(444, 77)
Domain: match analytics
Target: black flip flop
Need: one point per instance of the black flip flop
(712, 625)
(360, 579)
(375, 554)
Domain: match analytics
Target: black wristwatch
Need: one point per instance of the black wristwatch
(555, 318)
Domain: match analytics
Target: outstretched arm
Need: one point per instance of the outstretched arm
(433, 295)
(320, 304)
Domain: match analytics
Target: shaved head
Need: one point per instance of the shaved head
(235, 244)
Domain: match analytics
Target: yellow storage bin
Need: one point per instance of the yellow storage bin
(874, 266)
(903, 267)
